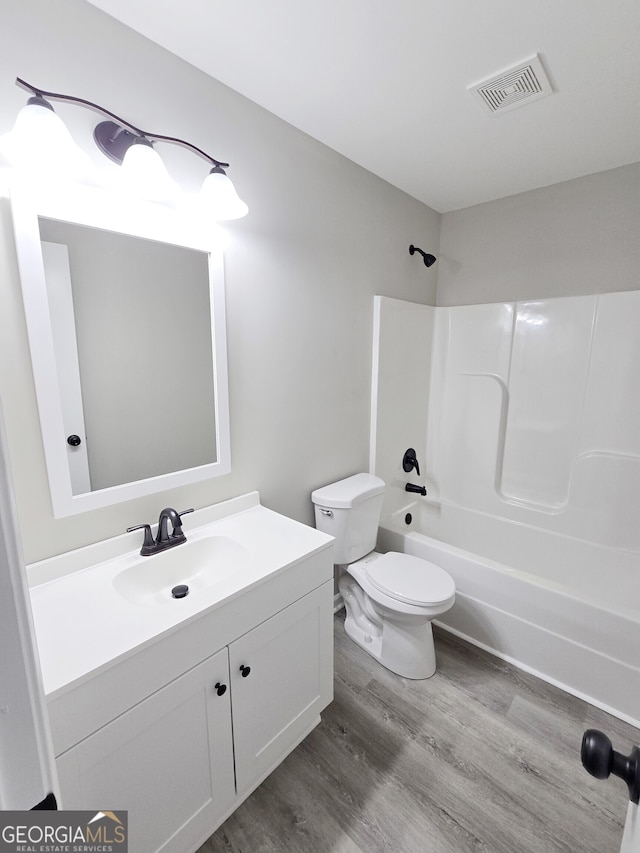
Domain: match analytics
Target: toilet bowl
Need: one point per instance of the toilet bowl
(390, 599)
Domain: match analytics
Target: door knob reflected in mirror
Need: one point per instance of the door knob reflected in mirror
(74, 440)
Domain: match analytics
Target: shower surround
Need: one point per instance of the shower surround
(526, 420)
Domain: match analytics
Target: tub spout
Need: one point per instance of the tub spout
(419, 490)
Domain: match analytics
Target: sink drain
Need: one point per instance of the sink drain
(180, 591)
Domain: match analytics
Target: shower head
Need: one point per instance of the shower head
(429, 260)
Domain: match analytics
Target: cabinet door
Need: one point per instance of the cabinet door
(288, 682)
(168, 761)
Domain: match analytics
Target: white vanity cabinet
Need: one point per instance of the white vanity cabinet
(168, 761)
(290, 680)
(182, 759)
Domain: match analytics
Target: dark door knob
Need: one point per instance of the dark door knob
(74, 440)
(221, 689)
(245, 670)
(600, 759)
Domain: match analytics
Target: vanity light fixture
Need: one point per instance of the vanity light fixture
(40, 141)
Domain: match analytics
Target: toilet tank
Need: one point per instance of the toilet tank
(350, 510)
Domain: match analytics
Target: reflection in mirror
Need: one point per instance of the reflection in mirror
(140, 310)
(125, 316)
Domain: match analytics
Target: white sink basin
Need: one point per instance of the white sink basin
(77, 597)
(201, 564)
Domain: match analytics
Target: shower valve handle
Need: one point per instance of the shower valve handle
(600, 760)
(410, 461)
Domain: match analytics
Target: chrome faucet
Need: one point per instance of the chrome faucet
(163, 539)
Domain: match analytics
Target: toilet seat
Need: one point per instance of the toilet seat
(411, 580)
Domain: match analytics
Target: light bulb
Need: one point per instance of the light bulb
(218, 197)
(144, 173)
(41, 144)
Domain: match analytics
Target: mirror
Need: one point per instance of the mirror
(124, 304)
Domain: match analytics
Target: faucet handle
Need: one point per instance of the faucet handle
(184, 512)
(410, 461)
(177, 530)
(148, 545)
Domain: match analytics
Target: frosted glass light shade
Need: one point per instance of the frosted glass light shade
(144, 173)
(218, 197)
(40, 144)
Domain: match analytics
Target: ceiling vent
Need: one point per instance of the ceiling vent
(513, 87)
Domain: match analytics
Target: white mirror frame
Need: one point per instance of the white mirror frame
(107, 211)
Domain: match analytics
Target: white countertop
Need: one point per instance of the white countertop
(83, 624)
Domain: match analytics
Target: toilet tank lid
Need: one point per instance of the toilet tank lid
(348, 492)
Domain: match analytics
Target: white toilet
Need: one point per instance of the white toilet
(390, 598)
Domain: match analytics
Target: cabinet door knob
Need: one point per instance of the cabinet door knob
(245, 670)
(221, 689)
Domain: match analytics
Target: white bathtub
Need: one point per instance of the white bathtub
(561, 608)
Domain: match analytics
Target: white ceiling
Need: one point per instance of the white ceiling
(384, 82)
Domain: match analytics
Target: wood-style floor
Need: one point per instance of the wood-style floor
(481, 757)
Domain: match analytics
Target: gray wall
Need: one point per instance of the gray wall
(570, 239)
(322, 237)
